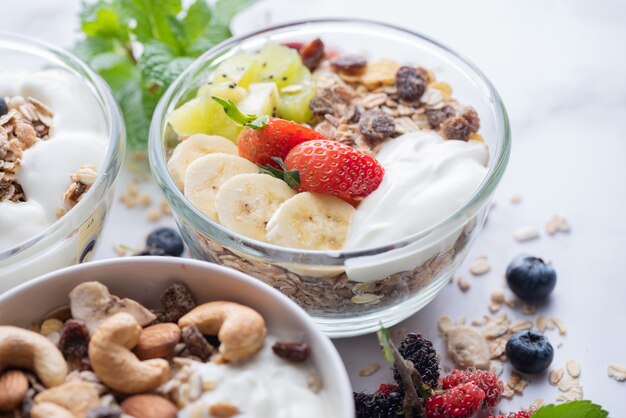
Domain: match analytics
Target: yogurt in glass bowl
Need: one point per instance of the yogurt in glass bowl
(428, 117)
(62, 143)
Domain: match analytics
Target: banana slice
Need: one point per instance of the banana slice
(311, 221)
(205, 176)
(193, 148)
(246, 202)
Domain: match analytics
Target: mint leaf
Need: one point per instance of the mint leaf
(151, 19)
(575, 409)
(225, 10)
(130, 99)
(102, 19)
(195, 21)
(116, 69)
(89, 48)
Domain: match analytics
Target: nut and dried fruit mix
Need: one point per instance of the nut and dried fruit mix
(106, 356)
(317, 150)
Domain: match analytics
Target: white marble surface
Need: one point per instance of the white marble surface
(561, 69)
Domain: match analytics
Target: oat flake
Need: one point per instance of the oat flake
(616, 372)
(369, 369)
(573, 368)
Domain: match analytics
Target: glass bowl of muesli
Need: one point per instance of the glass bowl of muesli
(163, 337)
(348, 164)
(62, 143)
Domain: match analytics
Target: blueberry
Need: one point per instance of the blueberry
(529, 352)
(4, 109)
(530, 278)
(166, 239)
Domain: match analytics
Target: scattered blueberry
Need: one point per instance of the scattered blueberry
(166, 239)
(530, 278)
(4, 109)
(529, 352)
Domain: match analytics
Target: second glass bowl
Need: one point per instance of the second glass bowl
(402, 277)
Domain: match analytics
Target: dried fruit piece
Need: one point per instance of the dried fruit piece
(176, 301)
(376, 125)
(410, 83)
(349, 64)
(291, 351)
(312, 54)
(456, 127)
(223, 410)
(196, 344)
(437, 116)
(74, 340)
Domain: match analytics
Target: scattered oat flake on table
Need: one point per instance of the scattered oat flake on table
(445, 323)
(153, 215)
(557, 224)
(616, 372)
(480, 266)
(567, 382)
(573, 368)
(529, 309)
(494, 307)
(463, 284)
(526, 233)
(573, 394)
(516, 199)
(369, 369)
(496, 367)
(560, 325)
(520, 326)
(555, 376)
(497, 296)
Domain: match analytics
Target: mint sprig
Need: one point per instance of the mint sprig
(232, 111)
(574, 409)
(140, 46)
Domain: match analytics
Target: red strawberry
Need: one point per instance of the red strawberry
(462, 401)
(275, 139)
(488, 382)
(329, 167)
(265, 139)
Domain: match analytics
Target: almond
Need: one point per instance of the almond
(149, 406)
(223, 410)
(157, 341)
(13, 388)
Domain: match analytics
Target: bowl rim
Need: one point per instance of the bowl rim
(331, 355)
(202, 222)
(112, 162)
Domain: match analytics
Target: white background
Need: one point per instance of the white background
(561, 69)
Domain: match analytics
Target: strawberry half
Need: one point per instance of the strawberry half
(330, 167)
(265, 138)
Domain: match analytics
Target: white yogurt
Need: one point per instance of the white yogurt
(427, 178)
(264, 386)
(78, 137)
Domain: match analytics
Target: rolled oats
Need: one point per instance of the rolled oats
(480, 266)
(557, 224)
(463, 284)
(573, 368)
(369, 369)
(617, 373)
(567, 382)
(526, 233)
(560, 325)
(555, 376)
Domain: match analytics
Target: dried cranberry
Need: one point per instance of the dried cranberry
(176, 301)
(376, 125)
(437, 116)
(349, 64)
(74, 341)
(411, 83)
(291, 351)
(196, 344)
(312, 54)
(456, 127)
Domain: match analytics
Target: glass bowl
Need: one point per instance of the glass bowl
(396, 280)
(73, 237)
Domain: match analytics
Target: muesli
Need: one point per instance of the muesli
(105, 356)
(322, 151)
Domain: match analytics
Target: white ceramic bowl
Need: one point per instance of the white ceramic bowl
(144, 279)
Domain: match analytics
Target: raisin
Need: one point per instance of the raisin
(104, 412)
(437, 116)
(456, 127)
(376, 125)
(291, 351)
(176, 301)
(323, 103)
(196, 344)
(411, 83)
(472, 118)
(74, 341)
(312, 54)
(349, 64)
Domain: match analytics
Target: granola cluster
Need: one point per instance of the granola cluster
(23, 122)
(362, 104)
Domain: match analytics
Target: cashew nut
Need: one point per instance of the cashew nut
(92, 303)
(50, 410)
(114, 362)
(78, 397)
(27, 349)
(240, 329)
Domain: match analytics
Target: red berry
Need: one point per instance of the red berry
(520, 414)
(488, 382)
(386, 389)
(461, 401)
(275, 139)
(330, 167)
